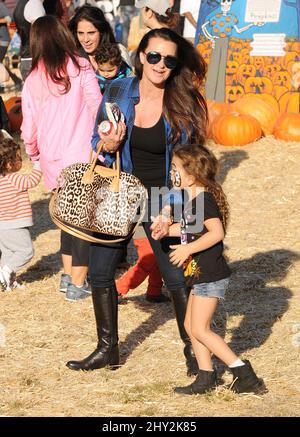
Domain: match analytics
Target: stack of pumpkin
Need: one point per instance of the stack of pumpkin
(248, 119)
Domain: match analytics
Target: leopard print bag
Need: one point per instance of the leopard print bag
(95, 199)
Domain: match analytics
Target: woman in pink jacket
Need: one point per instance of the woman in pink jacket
(60, 99)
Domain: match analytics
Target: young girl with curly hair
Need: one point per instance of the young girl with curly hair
(15, 212)
(202, 229)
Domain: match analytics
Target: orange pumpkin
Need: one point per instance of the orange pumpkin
(258, 83)
(263, 111)
(215, 109)
(14, 112)
(290, 56)
(258, 61)
(279, 90)
(292, 46)
(270, 69)
(290, 102)
(235, 129)
(10, 103)
(266, 98)
(15, 118)
(231, 67)
(234, 92)
(245, 71)
(237, 57)
(287, 127)
(282, 78)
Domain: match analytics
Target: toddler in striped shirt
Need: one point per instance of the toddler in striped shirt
(15, 212)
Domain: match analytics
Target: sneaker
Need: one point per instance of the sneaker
(77, 293)
(7, 278)
(17, 285)
(2, 281)
(158, 298)
(65, 280)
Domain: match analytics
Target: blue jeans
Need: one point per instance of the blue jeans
(211, 289)
(104, 261)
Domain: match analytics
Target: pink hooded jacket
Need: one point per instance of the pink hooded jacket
(57, 128)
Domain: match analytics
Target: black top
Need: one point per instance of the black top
(208, 265)
(148, 154)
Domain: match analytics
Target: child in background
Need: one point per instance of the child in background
(110, 65)
(203, 225)
(146, 265)
(15, 212)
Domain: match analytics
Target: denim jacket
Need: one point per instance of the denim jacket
(125, 92)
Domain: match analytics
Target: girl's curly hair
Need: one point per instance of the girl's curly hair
(8, 153)
(201, 163)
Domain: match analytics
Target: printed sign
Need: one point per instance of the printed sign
(263, 11)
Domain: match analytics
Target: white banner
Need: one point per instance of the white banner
(267, 11)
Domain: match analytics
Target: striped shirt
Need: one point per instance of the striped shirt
(15, 208)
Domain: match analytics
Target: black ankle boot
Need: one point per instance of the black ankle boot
(204, 382)
(245, 380)
(180, 299)
(105, 303)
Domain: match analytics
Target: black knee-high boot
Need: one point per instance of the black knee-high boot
(180, 299)
(106, 313)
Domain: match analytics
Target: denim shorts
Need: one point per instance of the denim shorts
(211, 289)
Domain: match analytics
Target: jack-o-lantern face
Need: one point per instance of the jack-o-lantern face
(231, 68)
(234, 92)
(282, 78)
(245, 71)
(258, 61)
(237, 56)
(258, 85)
(271, 69)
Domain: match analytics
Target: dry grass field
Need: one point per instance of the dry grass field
(41, 331)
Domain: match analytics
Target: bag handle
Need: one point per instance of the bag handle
(88, 176)
(80, 234)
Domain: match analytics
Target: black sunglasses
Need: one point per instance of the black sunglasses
(154, 58)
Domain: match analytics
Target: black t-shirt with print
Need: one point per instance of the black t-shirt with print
(208, 265)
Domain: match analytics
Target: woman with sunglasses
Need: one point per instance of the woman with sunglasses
(162, 107)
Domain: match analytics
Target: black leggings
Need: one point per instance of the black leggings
(75, 247)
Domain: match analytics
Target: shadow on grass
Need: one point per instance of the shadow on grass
(47, 266)
(229, 161)
(41, 218)
(159, 314)
(251, 297)
(260, 305)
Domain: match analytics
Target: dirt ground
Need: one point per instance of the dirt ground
(40, 331)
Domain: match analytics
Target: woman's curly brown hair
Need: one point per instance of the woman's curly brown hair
(201, 163)
(8, 153)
